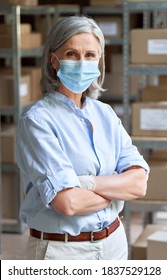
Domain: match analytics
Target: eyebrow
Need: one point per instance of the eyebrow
(71, 49)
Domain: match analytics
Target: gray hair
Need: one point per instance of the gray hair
(62, 31)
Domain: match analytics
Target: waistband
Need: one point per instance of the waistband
(92, 236)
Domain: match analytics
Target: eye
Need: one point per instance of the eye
(90, 55)
(71, 54)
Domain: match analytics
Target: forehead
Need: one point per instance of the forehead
(85, 41)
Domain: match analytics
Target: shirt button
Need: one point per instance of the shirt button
(49, 173)
(81, 119)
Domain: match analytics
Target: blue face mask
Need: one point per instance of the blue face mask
(77, 75)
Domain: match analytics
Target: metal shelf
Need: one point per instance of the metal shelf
(0, 195)
(114, 10)
(42, 10)
(141, 6)
(144, 206)
(13, 14)
(105, 11)
(8, 53)
(129, 69)
(114, 42)
(150, 142)
(148, 69)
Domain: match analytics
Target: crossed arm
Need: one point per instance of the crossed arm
(128, 185)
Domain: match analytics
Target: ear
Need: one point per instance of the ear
(54, 62)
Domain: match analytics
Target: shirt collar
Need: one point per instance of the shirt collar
(61, 97)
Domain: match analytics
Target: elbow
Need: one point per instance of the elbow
(142, 189)
(63, 206)
(64, 210)
(67, 211)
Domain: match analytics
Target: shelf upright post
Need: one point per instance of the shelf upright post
(0, 194)
(126, 116)
(16, 57)
(16, 49)
(125, 66)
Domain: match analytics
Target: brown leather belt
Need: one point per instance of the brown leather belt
(83, 236)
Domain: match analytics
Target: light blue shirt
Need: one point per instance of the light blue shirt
(56, 142)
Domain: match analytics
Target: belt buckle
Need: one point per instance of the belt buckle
(92, 236)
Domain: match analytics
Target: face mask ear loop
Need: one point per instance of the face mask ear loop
(56, 57)
(51, 53)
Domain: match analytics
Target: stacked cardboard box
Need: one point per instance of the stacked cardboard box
(29, 89)
(110, 26)
(104, 3)
(9, 179)
(7, 144)
(29, 39)
(19, 2)
(7, 97)
(156, 188)
(154, 93)
(149, 46)
(10, 195)
(149, 119)
(139, 248)
(157, 245)
(35, 77)
(114, 80)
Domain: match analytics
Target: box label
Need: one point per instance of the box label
(153, 119)
(108, 28)
(157, 46)
(23, 90)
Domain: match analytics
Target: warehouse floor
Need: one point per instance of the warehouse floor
(14, 245)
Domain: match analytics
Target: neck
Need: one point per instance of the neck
(76, 98)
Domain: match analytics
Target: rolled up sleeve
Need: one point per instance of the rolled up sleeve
(42, 160)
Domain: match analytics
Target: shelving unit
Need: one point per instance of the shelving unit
(148, 8)
(15, 54)
(102, 11)
(0, 198)
(105, 11)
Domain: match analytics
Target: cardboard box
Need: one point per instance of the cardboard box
(157, 245)
(7, 28)
(163, 80)
(157, 190)
(139, 248)
(143, 1)
(8, 142)
(35, 77)
(110, 26)
(7, 91)
(19, 2)
(114, 84)
(117, 63)
(104, 3)
(10, 196)
(149, 119)
(158, 155)
(154, 94)
(28, 41)
(149, 46)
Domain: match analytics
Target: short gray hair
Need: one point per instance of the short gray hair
(62, 31)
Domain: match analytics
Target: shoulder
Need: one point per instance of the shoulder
(38, 112)
(40, 107)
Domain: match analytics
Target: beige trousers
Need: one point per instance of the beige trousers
(113, 247)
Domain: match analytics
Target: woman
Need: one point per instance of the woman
(77, 162)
